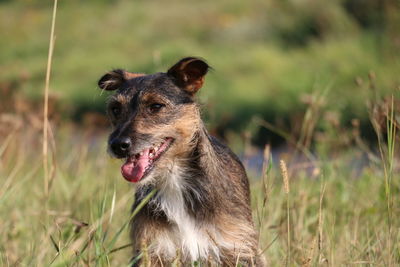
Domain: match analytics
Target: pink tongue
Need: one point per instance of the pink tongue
(133, 171)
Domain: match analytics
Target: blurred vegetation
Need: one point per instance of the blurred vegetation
(268, 56)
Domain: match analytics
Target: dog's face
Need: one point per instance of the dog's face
(154, 116)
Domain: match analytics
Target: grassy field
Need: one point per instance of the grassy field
(339, 214)
(308, 73)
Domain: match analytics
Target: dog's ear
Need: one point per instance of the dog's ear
(189, 73)
(114, 79)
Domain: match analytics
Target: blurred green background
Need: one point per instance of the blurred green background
(269, 57)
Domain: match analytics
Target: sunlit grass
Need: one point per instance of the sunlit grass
(89, 206)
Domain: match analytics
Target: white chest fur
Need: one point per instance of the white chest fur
(191, 237)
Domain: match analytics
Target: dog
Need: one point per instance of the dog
(201, 209)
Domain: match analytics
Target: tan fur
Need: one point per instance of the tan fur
(131, 75)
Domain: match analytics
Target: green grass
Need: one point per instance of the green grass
(85, 215)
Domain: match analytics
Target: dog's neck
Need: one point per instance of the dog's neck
(188, 180)
(184, 200)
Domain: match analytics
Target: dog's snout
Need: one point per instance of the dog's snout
(125, 144)
(121, 146)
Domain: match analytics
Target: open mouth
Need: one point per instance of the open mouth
(139, 165)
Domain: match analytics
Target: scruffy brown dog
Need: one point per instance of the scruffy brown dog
(201, 211)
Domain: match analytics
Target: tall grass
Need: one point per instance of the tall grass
(334, 216)
(388, 161)
(46, 102)
(286, 187)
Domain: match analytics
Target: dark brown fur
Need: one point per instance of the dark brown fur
(203, 173)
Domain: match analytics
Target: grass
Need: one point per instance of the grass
(46, 101)
(286, 187)
(88, 208)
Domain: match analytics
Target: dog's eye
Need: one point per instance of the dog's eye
(155, 107)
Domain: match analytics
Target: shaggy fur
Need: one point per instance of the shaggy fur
(201, 211)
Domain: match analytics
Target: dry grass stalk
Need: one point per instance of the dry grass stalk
(285, 176)
(46, 102)
(264, 185)
(320, 224)
(267, 156)
(287, 190)
(382, 117)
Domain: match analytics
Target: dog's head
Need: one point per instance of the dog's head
(154, 116)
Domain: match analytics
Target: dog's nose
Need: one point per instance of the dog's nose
(120, 146)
